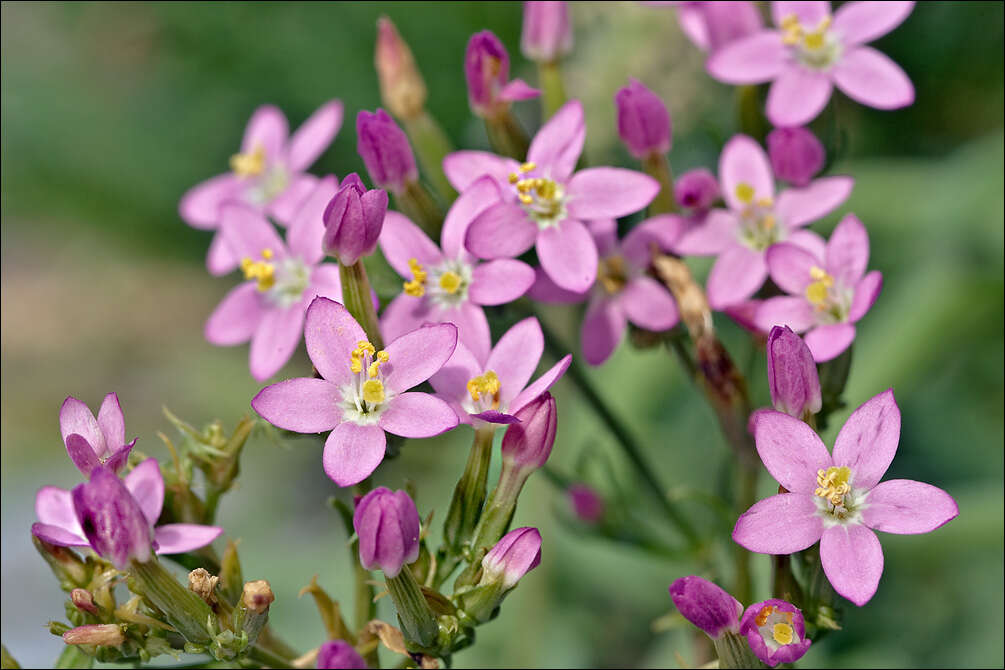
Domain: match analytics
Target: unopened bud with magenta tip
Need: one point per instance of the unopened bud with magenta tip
(528, 443)
(516, 554)
(111, 519)
(643, 120)
(696, 190)
(547, 31)
(792, 374)
(353, 220)
(587, 504)
(385, 151)
(339, 654)
(796, 155)
(706, 605)
(486, 69)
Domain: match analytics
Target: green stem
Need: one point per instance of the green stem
(417, 203)
(184, 610)
(268, 658)
(658, 167)
(552, 88)
(431, 146)
(734, 652)
(506, 136)
(416, 618)
(750, 116)
(358, 299)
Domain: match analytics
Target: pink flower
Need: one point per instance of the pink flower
(829, 290)
(269, 308)
(815, 51)
(839, 499)
(449, 285)
(362, 392)
(267, 175)
(544, 204)
(91, 442)
(713, 25)
(755, 220)
(494, 388)
(486, 69)
(776, 631)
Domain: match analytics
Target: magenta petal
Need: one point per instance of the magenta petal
(606, 192)
(404, 314)
(146, 484)
(236, 317)
(792, 311)
(401, 241)
(451, 380)
(307, 229)
(782, 524)
(518, 89)
(119, 457)
(736, 275)
(472, 326)
(492, 416)
(267, 130)
(750, 60)
(791, 451)
(809, 12)
(603, 327)
(515, 357)
(710, 237)
(866, 292)
(861, 22)
(691, 18)
(797, 96)
(789, 267)
(743, 161)
(54, 507)
(475, 199)
(81, 453)
(58, 536)
(908, 507)
(501, 231)
(417, 415)
(558, 144)
(871, 78)
(827, 342)
(500, 281)
(112, 423)
(285, 206)
(808, 241)
(540, 385)
(314, 135)
(352, 452)
(852, 559)
(200, 206)
(664, 231)
(569, 255)
(177, 538)
(248, 233)
(331, 334)
(868, 440)
(544, 289)
(275, 340)
(220, 260)
(848, 251)
(76, 418)
(416, 356)
(649, 305)
(301, 404)
(463, 168)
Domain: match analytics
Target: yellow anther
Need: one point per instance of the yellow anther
(487, 384)
(814, 41)
(356, 356)
(820, 275)
(262, 271)
(783, 633)
(528, 166)
(833, 484)
(513, 177)
(762, 616)
(267, 253)
(373, 391)
(745, 193)
(765, 202)
(790, 21)
(768, 222)
(381, 357)
(824, 24)
(450, 282)
(416, 287)
(250, 164)
(611, 274)
(526, 199)
(817, 291)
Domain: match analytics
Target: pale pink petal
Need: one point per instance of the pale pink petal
(314, 135)
(852, 559)
(220, 260)
(606, 192)
(908, 507)
(848, 251)
(275, 340)
(401, 241)
(59, 536)
(178, 538)
(871, 78)
(472, 326)
(76, 418)
(541, 384)
(790, 450)
(404, 314)
(501, 231)
(750, 60)
(500, 281)
(782, 524)
(809, 13)
(353, 452)
(326, 283)
(248, 233)
(515, 357)
(605, 234)
(285, 206)
(267, 129)
(416, 356)
(146, 484)
(827, 342)
(451, 380)
(603, 327)
(789, 267)
(236, 317)
(663, 231)
(463, 168)
(569, 255)
(302, 404)
(112, 422)
(866, 292)
(710, 237)
(792, 311)
(200, 206)
(417, 415)
(54, 507)
(331, 334)
(736, 275)
(82, 454)
(558, 144)
(861, 22)
(518, 89)
(868, 440)
(307, 230)
(797, 96)
(649, 305)
(799, 206)
(810, 241)
(546, 290)
(691, 18)
(743, 161)
(475, 199)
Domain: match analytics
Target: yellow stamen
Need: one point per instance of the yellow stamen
(373, 391)
(486, 384)
(528, 166)
(450, 282)
(762, 616)
(783, 633)
(790, 21)
(765, 202)
(611, 274)
(513, 177)
(768, 222)
(263, 271)
(814, 41)
(416, 287)
(356, 356)
(250, 164)
(833, 484)
(382, 357)
(745, 193)
(817, 291)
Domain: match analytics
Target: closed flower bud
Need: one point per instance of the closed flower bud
(586, 503)
(111, 519)
(792, 374)
(385, 151)
(516, 554)
(529, 442)
(547, 31)
(486, 69)
(696, 190)
(643, 120)
(706, 605)
(83, 600)
(387, 524)
(339, 654)
(401, 86)
(796, 155)
(107, 634)
(353, 220)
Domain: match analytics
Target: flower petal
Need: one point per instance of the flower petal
(236, 317)
(515, 357)
(331, 334)
(146, 484)
(782, 524)
(809, 12)
(827, 342)
(177, 538)
(866, 292)
(558, 144)
(569, 255)
(475, 199)
(540, 385)
(200, 206)
(546, 290)
(848, 251)
(518, 89)
(307, 229)
(712, 236)
(112, 422)
(416, 356)
(59, 536)
(352, 452)
(314, 135)
(248, 233)
(852, 559)
(267, 130)
(664, 231)
(743, 161)
(751, 60)
(404, 314)
(649, 305)
(302, 404)
(472, 326)
(606, 192)
(868, 440)
(401, 240)
(220, 260)
(275, 340)
(861, 22)
(76, 418)
(799, 206)
(417, 415)
(789, 267)
(871, 78)
(809, 241)
(81, 453)
(500, 281)
(284, 207)
(736, 275)
(792, 311)
(790, 450)
(603, 327)
(463, 168)
(907, 507)
(54, 507)
(451, 380)
(501, 231)
(326, 283)
(797, 96)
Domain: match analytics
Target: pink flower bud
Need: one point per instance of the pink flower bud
(387, 524)
(516, 554)
(111, 519)
(696, 190)
(796, 155)
(586, 503)
(706, 605)
(643, 120)
(792, 374)
(486, 69)
(385, 150)
(401, 86)
(529, 442)
(547, 31)
(353, 220)
(108, 635)
(340, 654)
(83, 600)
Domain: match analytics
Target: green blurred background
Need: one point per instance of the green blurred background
(110, 111)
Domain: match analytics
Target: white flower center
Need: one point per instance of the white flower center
(817, 47)
(776, 627)
(446, 284)
(759, 226)
(365, 398)
(483, 393)
(283, 282)
(838, 503)
(543, 199)
(831, 300)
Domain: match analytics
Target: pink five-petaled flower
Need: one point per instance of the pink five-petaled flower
(755, 220)
(268, 175)
(362, 392)
(839, 499)
(776, 631)
(814, 51)
(115, 532)
(268, 309)
(544, 204)
(828, 286)
(449, 286)
(494, 388)
(89, 441)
